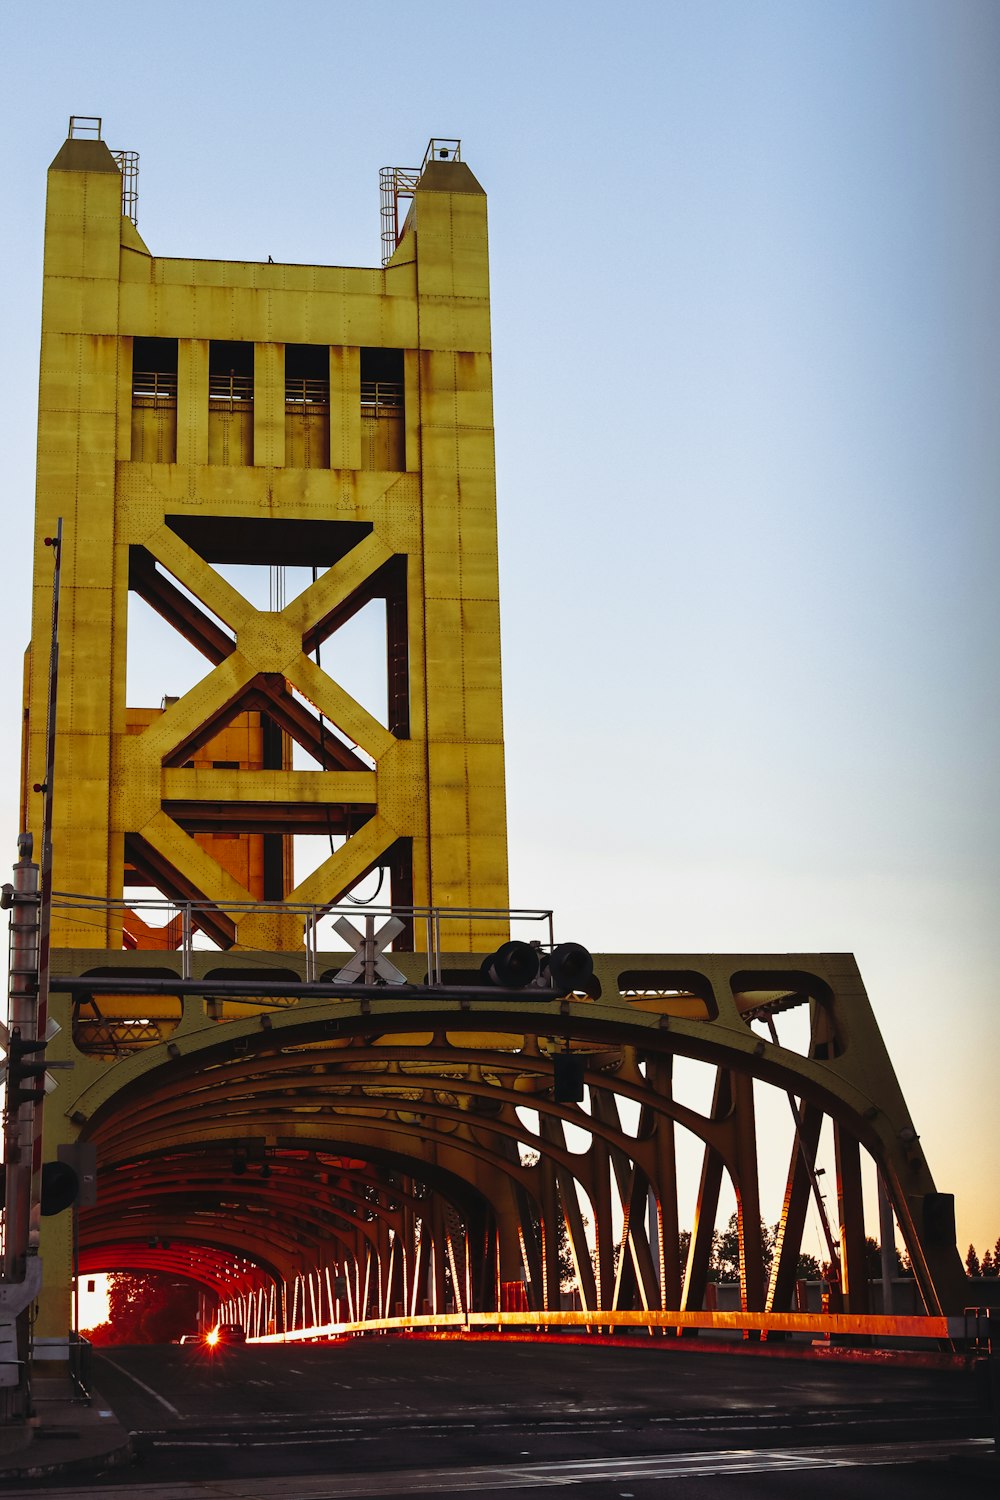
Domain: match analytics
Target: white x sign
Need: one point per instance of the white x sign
(369, 963)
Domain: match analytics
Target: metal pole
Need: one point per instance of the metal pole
(45, 901)
(186, 940)
(311, 945)
(76, 1269)
(831, 1244)
(22, 897)
(887, 1244)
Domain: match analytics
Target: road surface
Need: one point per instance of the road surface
(386, 1418)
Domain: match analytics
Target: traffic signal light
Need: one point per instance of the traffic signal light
(567, 1078)
(20, 1072)
(516, 965)
(512, 966)
(568, 967)
(60, 1186)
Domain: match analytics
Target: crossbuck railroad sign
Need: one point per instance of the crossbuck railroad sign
(369, 964)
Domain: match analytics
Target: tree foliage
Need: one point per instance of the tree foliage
(724, 1264)
(725, 1260)
(988, 1266)
(146, 1309)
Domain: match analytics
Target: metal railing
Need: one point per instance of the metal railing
(84, 127)
(128, 166)
(118, 1035)
(230, 390)
(88, 128)
(155, 387)
(307, 391)
(604, 1322)
(398, 184)
(183, 924)
(81, 1365)
(381, 398)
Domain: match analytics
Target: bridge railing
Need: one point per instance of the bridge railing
(818, 1326)
(183, 923)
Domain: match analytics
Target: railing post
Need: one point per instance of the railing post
(186, 937)
(309, 930)
(993, 1370)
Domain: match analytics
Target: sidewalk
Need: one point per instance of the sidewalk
(65, 1435)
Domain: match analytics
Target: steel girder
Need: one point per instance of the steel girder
(399, 1156)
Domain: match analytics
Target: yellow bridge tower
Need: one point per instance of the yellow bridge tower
(325, 423)
(258, 453)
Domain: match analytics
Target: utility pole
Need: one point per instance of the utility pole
(28, 897)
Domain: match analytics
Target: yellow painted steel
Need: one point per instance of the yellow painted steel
(120, 459)
(819, 1325)
(381, 1113)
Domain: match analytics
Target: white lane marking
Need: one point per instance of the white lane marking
(437, 1482)
(141, 1383)
(307, 1439)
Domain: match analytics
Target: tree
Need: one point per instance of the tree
(808, 1268)
(727, 1249)
(146, 1309)
(100, 1334)
(989, 1266)
(684, 1249)
(972, 1262)
(567, 1267)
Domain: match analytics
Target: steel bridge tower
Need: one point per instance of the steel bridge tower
(259, 453)
(331, 423)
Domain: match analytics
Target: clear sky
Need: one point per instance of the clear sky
(745, 268)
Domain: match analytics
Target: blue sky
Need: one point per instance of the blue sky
(745, 283)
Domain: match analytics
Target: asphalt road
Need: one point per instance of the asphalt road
(399, 1418)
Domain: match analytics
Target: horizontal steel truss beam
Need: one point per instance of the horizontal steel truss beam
(269, 817)
(265, 989)
(269, 693)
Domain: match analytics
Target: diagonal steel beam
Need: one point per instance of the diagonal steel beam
(145, 579)
(200, 578)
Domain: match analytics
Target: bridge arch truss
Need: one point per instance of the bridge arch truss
(406, 1153)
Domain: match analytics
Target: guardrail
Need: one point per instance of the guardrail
(81, 1366)
(181, 925)
(598, 1322)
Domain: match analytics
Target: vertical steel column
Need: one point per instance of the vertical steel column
(409, 1224)
(851, 1212)
(603, 1235)
(386, 1250)
(887, 1244)
(551, 1129)
(531, 1216)
(636, 1261)
(659, 1075)
(550, 1215)
(421, 1268)
(437, 1236)
(707, 1205)
(752, 1281)
(457, 1271)
(809, 1122)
